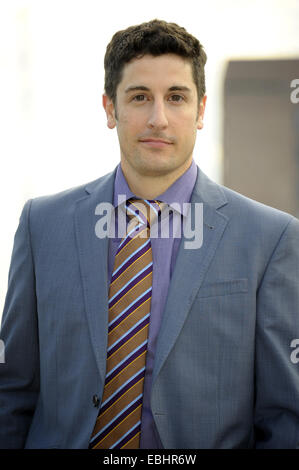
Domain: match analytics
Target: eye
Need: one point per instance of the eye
(177, 98)
(138, 98)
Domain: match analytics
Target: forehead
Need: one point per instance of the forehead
(162, 71)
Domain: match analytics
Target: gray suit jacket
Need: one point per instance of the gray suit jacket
(224, 376)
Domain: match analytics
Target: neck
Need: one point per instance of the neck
(149, 186)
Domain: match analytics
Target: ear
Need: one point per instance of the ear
(110, 111)
(201, 112)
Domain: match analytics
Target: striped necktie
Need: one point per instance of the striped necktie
(119, 421)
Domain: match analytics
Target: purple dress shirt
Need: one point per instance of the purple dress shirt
(164, 251)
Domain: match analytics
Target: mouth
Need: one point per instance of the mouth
(156, 143)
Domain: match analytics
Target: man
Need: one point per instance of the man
(215, 366)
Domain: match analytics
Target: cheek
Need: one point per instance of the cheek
(183, 119)
(128, 131)
(186, 127)
(130, 123)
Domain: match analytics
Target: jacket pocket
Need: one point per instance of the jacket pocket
(214, 289)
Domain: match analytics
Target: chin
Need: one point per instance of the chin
(155, 168)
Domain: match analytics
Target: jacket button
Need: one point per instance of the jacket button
(96, 401)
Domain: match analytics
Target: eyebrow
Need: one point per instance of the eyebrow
(144, 88)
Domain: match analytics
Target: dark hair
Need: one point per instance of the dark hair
(156, 37)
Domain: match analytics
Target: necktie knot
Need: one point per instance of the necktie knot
(143, 211)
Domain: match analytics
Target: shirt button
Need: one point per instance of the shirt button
(96, 401)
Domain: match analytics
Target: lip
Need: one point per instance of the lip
(155, 142)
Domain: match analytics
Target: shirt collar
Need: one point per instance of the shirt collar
(175, 196)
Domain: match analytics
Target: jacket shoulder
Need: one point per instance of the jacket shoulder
(250, 210)
(64, 200)
(57, 210)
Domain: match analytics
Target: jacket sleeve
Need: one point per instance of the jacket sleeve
(276, 363)
(19, 374)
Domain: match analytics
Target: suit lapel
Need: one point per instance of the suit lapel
(191, 267)
(93, 258)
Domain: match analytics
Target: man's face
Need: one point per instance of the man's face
(157, 115)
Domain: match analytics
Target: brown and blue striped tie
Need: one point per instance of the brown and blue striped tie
(119, 421)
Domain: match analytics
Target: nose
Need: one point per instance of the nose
(158, 118)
